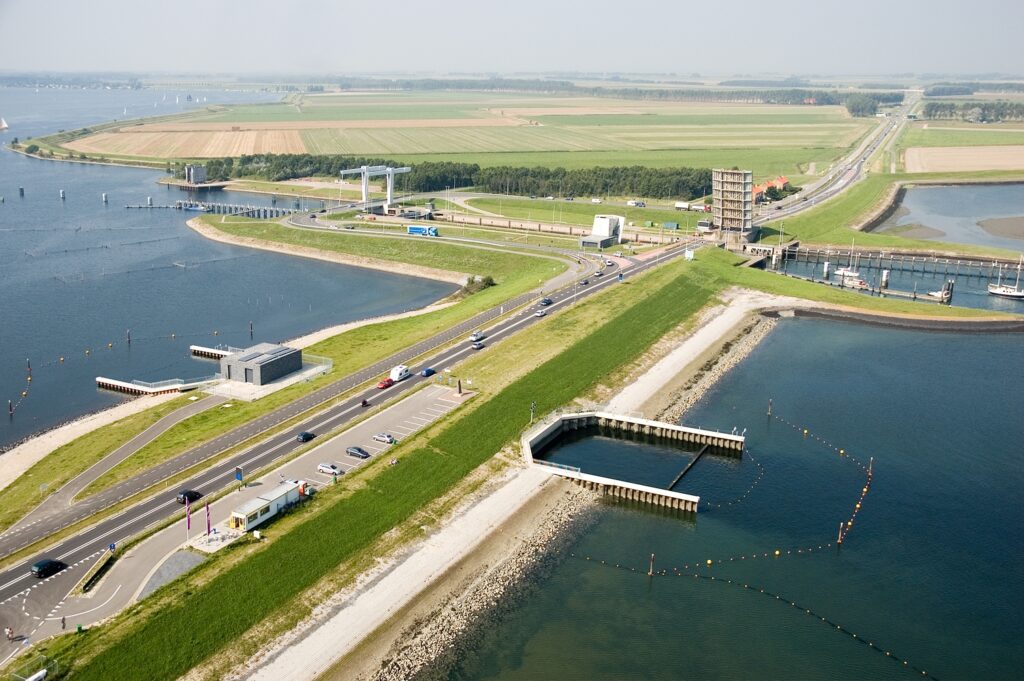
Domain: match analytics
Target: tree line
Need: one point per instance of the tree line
(975, 111)
(662, 183)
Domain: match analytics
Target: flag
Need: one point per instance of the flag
(207, 518)
(188, 514)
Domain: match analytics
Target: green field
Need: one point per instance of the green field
(582, 212)
(948, 134)
(508, 129)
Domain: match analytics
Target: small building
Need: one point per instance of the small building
(607, 230)
(266, 506)
(195, 174)
(261, 363)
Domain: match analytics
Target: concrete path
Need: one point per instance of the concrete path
(64, 498)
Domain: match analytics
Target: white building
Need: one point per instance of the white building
(606, 230)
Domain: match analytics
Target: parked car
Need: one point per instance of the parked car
(569, 198)
(386, 438)
(358, 452)
(617, 254)
(478, 346)
(545, 301)
(329, 469)
(189, 496)
(305, 436)
(540, 313)
(47, 567)
(386, 383)
(427, 372)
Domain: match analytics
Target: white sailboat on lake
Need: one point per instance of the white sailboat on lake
(1005, 290)
(3, 124)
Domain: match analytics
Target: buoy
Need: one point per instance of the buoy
(61, 360)
(777, 552)
(709, 561)
(61, 194)
(104, 197)
(805, 432)
(110, 345)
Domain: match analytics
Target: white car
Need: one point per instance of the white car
(609, 263)
(540, 313)
(329, 469)
(476, 337)
(386, 438)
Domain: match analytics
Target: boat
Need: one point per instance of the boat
(197, 208)
(1005, 290)
(3, 124)
(845, 272)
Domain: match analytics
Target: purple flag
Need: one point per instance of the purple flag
(207, 518)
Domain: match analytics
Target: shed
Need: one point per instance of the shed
(261, 363)
(671, 225)
(266, 506)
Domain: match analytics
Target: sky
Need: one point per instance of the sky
(841, 37)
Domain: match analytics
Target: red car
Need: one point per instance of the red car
(386, 383)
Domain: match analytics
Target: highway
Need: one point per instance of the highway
(116, 529)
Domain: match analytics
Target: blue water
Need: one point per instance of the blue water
(956, 212)
(932, 569)
(76, 275)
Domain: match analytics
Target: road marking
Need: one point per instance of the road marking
(79, 614)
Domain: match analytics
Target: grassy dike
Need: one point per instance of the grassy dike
(833, 222)
(514, 272)
(210, 616)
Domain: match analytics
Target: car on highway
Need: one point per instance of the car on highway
(427, 372)
(477, 336)
(545, 301)
(305, 436)
(386, 383)
(609, 263)
(617, 254)
(569, 198)
(46, 567)
(540, 313)
(584, 282)
(188, 496)
(477, 346)
(599, 273)
(358, 452)
(329, 469)
(386, 438)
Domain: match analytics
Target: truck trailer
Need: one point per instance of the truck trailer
(420, 230)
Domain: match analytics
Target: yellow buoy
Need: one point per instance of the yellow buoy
(805, 431)
(709, 561)
(777, 552)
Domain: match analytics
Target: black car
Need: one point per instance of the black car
(305, 436)
(545, 301)
(189, 496)
(47, 567)
(585, 282)
(358, 452)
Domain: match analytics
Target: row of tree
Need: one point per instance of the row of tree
(970, 87)
(665, 183)
(975, 111)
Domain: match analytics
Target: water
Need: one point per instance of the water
(77, 274)
(954, 214)
(970, 287)
(931, 570)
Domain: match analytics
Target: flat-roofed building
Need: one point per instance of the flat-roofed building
(261, 363)
(195, 174)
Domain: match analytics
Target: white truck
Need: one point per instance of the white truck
(682, 205)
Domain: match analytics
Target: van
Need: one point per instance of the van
(399, 373)
(47, 567)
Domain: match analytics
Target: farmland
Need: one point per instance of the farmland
(500, 129)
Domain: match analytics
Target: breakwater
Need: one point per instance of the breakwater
(430, 647)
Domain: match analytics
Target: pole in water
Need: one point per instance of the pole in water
(650, 570)
(769, 406)
(250, 330)
(61, 194)
(840, 539)
(128, 333)
(871, 462)
(10, 408)
(21, 192)
(104, 197)
(28, 363)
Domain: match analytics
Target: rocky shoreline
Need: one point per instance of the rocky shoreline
(429, 647)
(733, 352)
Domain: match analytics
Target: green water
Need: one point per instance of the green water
(931, 570)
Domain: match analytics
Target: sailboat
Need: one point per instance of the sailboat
(1005, 290)
(3, 124)
(125, 111)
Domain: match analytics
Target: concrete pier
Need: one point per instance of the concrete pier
(546, 432)
(210, 353)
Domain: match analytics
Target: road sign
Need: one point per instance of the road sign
(112, 547)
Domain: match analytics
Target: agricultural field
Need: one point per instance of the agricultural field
(502, 128)
(952, 146)
(956, 134)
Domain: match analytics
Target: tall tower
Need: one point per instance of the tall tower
(732, 195)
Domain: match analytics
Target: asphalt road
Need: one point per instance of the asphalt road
(116, 529)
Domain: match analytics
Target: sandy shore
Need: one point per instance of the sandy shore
(19, 459)
(1008, 228)
(331, 331)
(328, 256)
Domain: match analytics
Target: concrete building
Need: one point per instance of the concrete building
(195, 174)
(732, 196)
(607, 230)
(261, 364)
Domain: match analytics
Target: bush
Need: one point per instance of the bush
(32, 148)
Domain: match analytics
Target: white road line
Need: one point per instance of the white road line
(79, 614)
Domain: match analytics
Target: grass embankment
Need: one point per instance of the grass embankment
(178, 637)
(66, 462)
(512, 237)
(833, 222)
(353, 349)
(582, 212)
